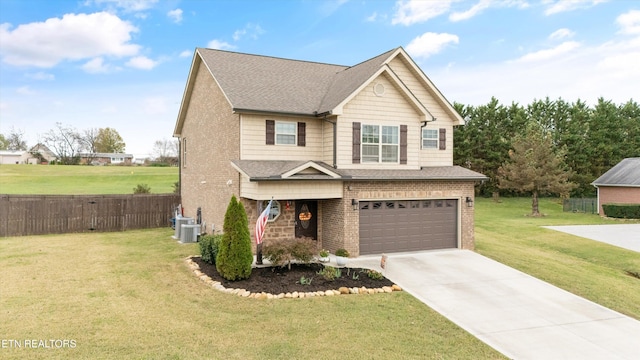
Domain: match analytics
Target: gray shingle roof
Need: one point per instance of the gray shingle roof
(625, 173)
(263, 83)
(265, 170)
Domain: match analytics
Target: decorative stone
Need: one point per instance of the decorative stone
(320, 293)
(294, 294)
(363, 290)
(281, 296)
(336, 292)
(245, 294)
(353, 290)
(269, 296)
(387, 289)
(371, 291)
(287, 295)
(396, 287)
(343, 290)
(204, 277)
(198, 273)
(328, 293)
(311, 294)
(379, 290)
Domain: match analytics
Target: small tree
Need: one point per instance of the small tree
(534, 167)
(108, 140)
(234, 258)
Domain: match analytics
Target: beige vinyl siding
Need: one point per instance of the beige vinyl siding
(253, 146)
(428, 157)
(327, 141)
(392, 108)
(290, 190)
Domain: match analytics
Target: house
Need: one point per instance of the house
(619, 185)
(42, 153)
(357, 157)
(13, 157)
(106, 158)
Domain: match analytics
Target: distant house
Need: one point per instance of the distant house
(106, 159)
(13, 157)
(42, 154)
(356, 157)
(619, 185)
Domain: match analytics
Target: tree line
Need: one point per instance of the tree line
(590, 139)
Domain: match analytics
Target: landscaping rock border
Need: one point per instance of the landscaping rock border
(293, 295)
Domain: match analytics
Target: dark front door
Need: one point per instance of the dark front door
(307, 218)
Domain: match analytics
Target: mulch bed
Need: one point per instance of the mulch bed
(276, 280)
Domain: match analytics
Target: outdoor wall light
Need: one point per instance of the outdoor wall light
(469, 201)
(354, 204)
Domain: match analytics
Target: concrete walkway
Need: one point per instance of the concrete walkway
(517, 314)
(622, 235)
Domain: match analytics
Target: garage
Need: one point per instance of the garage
(408, 225)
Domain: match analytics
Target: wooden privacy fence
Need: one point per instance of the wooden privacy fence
(22, 215)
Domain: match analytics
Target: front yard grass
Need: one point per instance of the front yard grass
(130, 295)
(588, 268)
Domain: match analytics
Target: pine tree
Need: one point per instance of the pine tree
(534, 166)
(234, 258)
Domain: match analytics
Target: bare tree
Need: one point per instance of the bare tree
(89, 139)
(66, 143)
(166, 151)
(15, 140)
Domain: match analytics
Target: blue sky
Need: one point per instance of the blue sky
(124, 63)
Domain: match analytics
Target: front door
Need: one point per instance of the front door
(307, 219)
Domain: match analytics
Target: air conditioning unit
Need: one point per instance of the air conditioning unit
(179, 222)
(189, 233)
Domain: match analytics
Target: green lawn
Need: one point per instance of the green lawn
(588, 268)
(130, 295)
(84, 180)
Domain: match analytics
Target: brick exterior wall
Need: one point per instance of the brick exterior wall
(212, 132)
(617, 195)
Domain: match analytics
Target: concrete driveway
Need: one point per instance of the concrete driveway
(517, 314)
(623, 235)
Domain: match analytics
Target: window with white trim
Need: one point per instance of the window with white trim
(275, 210)
(380, 144)
(429, 138)
(286, 133)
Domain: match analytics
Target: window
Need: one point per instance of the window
(275, 209)
(184, 152)
(429, 138)
(286, 133)
(380, 144)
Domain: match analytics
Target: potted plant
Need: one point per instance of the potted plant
(324, 256)
(341, 257)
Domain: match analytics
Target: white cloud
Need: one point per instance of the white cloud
(372, 17)
(96, 66)
(74, 37)
(127, 5)
(558, 6)
(25, 90)
(253, 31)
(561, 34)
(473, 11)
(629, 22)
(220, 45)
(175, 15)
(430, 43)
(548, 54)
(41, 75)
(141, 62)
(415, 11)
(186, 53)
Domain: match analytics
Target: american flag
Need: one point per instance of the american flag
(262, 222)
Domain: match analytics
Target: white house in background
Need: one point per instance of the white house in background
(13, 157)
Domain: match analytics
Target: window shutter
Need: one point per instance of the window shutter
(302, 129)
(356, 143)
(271, 132)
(443, 139)
(403, 144)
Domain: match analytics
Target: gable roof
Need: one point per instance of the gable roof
(256, 83)
(626, 174)
(275, 170)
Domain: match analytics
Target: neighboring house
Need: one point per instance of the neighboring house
(357, 157)
(619, 185)
(42, 153)
(13, 157)
(106, 159)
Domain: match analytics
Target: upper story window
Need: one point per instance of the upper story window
(380, 144)
(429, 138)
(286, 133)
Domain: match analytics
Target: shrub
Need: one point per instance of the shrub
(209, 245)
(342, 252)
(234, 257)
(622, 211)
(375, 275)
(142, 189)
(176, 187)
(283, 252)
(330, 273)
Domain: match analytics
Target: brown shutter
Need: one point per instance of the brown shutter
(443, 139)
(302, 141)
(403, 144)
(356, 143)
(271, 132)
